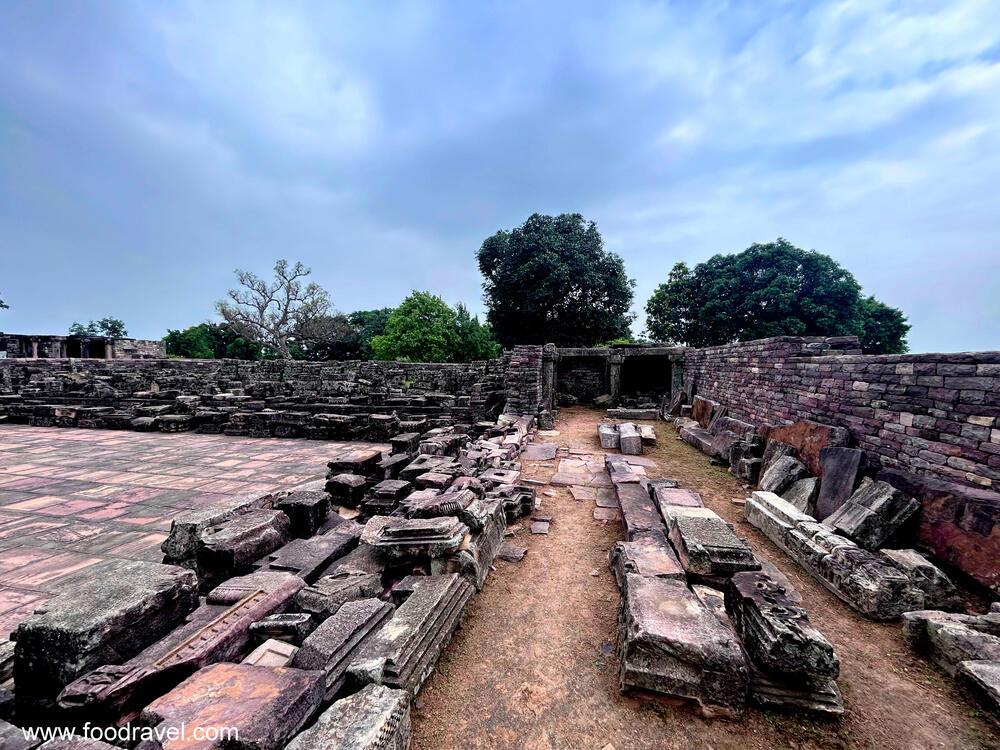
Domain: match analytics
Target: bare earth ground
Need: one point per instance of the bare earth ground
(534, 667)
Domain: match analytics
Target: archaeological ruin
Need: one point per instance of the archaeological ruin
(290, 548)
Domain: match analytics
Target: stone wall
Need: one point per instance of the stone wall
(26, 346)
(929, 414)
(585, 378)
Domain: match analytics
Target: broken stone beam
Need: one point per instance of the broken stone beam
(306, 511)
(649, 555)
(982, 679)
(374, 718)
(649, 414)
(263, 708)
(939, 591)
(638, 511)
(670, 643)
(219, 630)
(430, 537)
(608, 435)
(630, 441)
(185, 530)
(363, 461)
(330, 593)
(108, 612)
(403, 653)
(821, 697)
(777, 632)
(233, 546)
(333, 645)
(782, 474)
(873, 513)
(475, 559)
(950, 639)
(706, 546)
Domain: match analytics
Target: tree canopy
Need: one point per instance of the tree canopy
(210, 341)
(551, 280)
(424, 328)
(113, 328)
(768, 290)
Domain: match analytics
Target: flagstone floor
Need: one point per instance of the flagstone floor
(70, 498)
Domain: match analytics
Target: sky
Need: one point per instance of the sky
(149, 149)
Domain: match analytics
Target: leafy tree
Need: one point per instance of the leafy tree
(329, 337)
(425, 329)
(113, 328)
(550, 280)
(210, 341)
(883, 329)
(273, 313)
(369, 324)
(767, 290)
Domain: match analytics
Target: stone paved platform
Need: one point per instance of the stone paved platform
(70, 498)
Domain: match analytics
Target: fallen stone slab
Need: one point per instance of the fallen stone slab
(647, 434)
(775, 449)
(809, 438)
(608, 436)
(106, 613)
(416, 537)
(821, 697)
(272, 653)
(539, 527)
(648, 414)
(266, 706)
(782, 474)
(232, 547)
(363, 461)
(290, 627)
(949, 639)
(347, 490)
(308, 558)
(939, 591)
(776, 632)
(539, 451)
(670, 643)
(511, 552)
(638, 511)
(706, 546)
(185, 530)
(704, 410)
(219, 630)
(332, 592)
(374, 718)
(873, 514)
(403, 653)
(802, 494)
(982, 680)
(843, 469)
(474, 560)
(334, 644)
(649, 555)
(306, 511)
(607, 514)
(629, 439)
(666, 497)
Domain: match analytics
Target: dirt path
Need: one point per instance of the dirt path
(534, 665)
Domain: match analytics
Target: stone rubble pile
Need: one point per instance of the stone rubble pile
(333, 599)
(699, 619)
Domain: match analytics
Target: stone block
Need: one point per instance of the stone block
(362, 461)
(647, 433)
(649, 555)
(982, 680)
(185, 530)
(782, 474)
(809, 438)
(873, 514)
(12, 738)
(842, 471)
(706, 546)
(802, 494)
(639, 514)
(939, 591)
(703, 410)
(420, 537)
(670, 643)
(629, 439)
(374, 718)
(331, 592)
(267, 706)
(106, 613)
(306, 511)
(347, 490)
(232, 546)
(290, 627)
(821, 697)
(272, 653)
(608, 435)
(650, 414)
(308, 558)
(775, 449)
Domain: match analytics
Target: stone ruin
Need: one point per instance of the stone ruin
(323, 609)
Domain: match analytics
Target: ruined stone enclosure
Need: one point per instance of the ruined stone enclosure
(767, 544)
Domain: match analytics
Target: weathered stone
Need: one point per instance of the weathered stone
(842, 471)
(306, 511)
(12, 738)
(403, 653)
(774, 450)
(776, 632)
(291, 627)
(706, 546)
(669, 642)
(511, 552)
(960, 525)
(820, 697)
(869, 583)
(647, 433)
(782, 474)
(608, 435)
(331, 592)
(802, 494)
(272, 653)
(374, 718)
(347, 490)
(703, 410)
(106, 613)
(333, 645)
(638, 511)
(649, 555)
(629, 439)
(949, 639)
(809, 438)
(363, 461)
(217, 631)
(185, 529)
(649, 414)
(232, 546)
(939, 591)
(265, 705)
(873, 514)
(428, 537)
(307, 558)
(982, 679)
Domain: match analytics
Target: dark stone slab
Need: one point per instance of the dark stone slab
(374, 718)
(706, 546)
(107, 613)
(290, 627)
(774, 450)
(511, 552)
(308, 558)
(232, 546)
(802, 494)
(347, 490)
(703, 410)
(266, 705)
(842, 470)
(363, 461)
(809, 438)
(412, 537)
(639, 514)
(334, 644)
(821, 697)
(982, 680)
(649, 555)
(939, 591)
(873, 514)
(12, 738)
(670, 643)
(782, 474)
(330, 593)
(185, 530)
(306, 511)
(949, 639)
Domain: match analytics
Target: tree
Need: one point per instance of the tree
(273, 313)
(369, 324)
(329, 337)
(112, 328)
(883, 329)
(767, 290)
(210, 341)
(550, 280)
(425, 329)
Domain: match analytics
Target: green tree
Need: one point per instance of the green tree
(369, 324)
(475, 341)
(329, 337)
(113, 328)
(883, 328)
(421, 329)
(210, 341)
(767, 290)
(551, 280)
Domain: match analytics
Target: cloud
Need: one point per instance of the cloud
(146, 151)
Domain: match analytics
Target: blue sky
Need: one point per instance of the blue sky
(148, 149)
